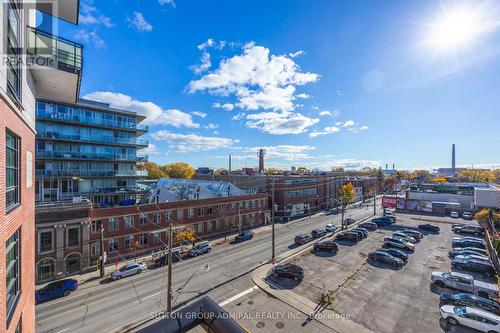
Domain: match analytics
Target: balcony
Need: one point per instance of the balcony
(88, 156)
(95, 139)
(56, 65)
(65, 10)
(91, 121)
(90, 173)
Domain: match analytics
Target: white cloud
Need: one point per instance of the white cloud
(328, 113)
(204, 65)
(239, 116)
(211, 126)
(280, 123)
(363, 128)
(151, 150)
(303, 96)
(356, 130)
(167, 2)
(287, 152)
(326, 130)
(89, 15)
(199, 114)
(192, 142)
(225, 106)
(257, 79)
(139, 23)
(325, 113)
(347, 163)
(296, 54)
(86, 36)
(348, 123)
(155, 115)
(210, 43)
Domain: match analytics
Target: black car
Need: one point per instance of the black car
(469, 230)
(348, 235)
(396, 253)
(386, 258)
(382, 221)
(162, 261)
(412, 233)
(429, 227)
(369, 225)
(480, 266)
(329, 246)
(245, 235)
(391, 217)
(317, 233)
(302, 239)
(466, 299)
(360, 234)
(456, 251)
(363, 231)
(349, 221)
(290, 271)
(467, 243)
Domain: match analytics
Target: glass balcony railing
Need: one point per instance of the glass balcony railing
(91, 173)
(96, 138)
(91, 121)
(57, 52)
(89, 156)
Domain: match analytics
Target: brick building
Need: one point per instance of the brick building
(32, 65)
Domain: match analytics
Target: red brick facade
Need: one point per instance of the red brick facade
(19, 218)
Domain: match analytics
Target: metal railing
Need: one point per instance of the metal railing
(66, 54)
(93, 156)
(90, 173)
(98, 139)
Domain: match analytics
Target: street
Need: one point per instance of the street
(104, 306)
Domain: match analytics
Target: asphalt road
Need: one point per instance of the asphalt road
(103, 306)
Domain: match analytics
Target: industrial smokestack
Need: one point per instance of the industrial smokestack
(386, 167)
(393, 167)
(453, 166)
(261, 160)
(229, 163)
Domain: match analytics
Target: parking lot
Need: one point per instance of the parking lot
(377, 297)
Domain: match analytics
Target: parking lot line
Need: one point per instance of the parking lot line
(235, 297)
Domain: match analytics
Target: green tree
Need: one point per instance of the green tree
(302, 170)
(346, 196)
(154, 171)
(178, 170)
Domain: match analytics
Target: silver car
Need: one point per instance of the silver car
(128, 270)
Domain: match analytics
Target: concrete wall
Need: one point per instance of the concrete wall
(465, 201)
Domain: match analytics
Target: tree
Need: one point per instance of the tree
(154, 171)
(273, 171)
(439, 180)
(346, 195)
(302, 170)
(221, 171)
(422, 175)
(477, 176)
(178, 170)
(184, 235)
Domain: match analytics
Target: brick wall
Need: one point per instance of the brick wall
(21, 218)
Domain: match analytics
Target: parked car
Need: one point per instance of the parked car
(330, 227)
(362, 230)
(329, 246)
(317, 233)
(429, 227)
(467, 216)
(391, 217)
(360, 234)
(399, 243)
(470, 230)
(467, 243)
(386, 258)
(467, 299)
(413, 233)
(458, 226)
(55, 290)
(200, 248)
(382, 221)
(163, 260)
(245, 235)
(477, 319)
(396, 253)
(475, 265)
(128, 270)
(302, 239)
(466, 250)
(349, 235)
(454, 215)
(470, 238)
(405, 237)
(290, 271)
(349, 221)
(369, 225)
(473, 256)
(465, 282)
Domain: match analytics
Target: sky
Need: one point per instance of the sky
(317, 83)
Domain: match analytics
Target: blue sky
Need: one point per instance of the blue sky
(317, 83)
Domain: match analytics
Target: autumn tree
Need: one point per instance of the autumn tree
(346, 196)
(439, 180)
(477, 176)
(154, 171)
(178, 170)
(221, 171)
(302, 170)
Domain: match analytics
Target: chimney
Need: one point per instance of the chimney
(261, 160)
(453, 168)
(229, 163)
(386, 167)
(393, 167)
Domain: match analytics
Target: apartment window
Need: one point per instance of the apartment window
(12, 170)
(46, 270)
(200, 211)
(180, 214)
(73, 236)
(14, 50)
(95, 226)
(12, 272)
(143, 219)
(143, 239)
(210, 211)
(113, 223)
(95, 248)
(170, 215)
(129, 222)
(157, 218)
(190, 213)
(129, 239)
(113, 245)
(211, 226)
(45, 241)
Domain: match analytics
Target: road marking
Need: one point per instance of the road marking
(235, 297)
(72, 310)
(144, 298)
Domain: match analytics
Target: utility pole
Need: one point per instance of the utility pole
(101, 266)
(272, 214)
(375, 201)
(239, 220)
(169, 270)
(342, 200)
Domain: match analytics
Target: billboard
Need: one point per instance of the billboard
(393, 202)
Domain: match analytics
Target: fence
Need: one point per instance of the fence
(491, 248)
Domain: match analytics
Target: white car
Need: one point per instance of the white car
(128, 270)
(330, 227)
(478, 319)
(455, 215)
(473, 256)
(467, 216)
(399, 243)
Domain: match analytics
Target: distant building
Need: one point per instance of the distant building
(204, 171)
(87, 149)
